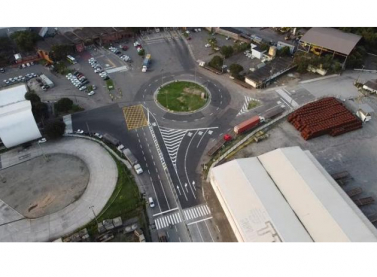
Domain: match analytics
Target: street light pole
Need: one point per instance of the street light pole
(95, 217)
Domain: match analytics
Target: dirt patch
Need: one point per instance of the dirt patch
(192, 91)
(40, 186)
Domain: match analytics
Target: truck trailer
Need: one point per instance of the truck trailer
(146, 63)
(46, 81)
(248, 124)
(132, 159)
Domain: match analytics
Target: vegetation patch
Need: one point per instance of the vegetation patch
(110, 84)
(182, 96)
(253, 104)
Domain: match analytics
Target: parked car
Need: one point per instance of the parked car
(42, 140)
(2, 70)
(79, 131)
(82, 88)
(124, 47)
(98, 135)
(207, 45)
(94, 87)
(91, 93)
(138, 169)
(151, 203)
(136, 43)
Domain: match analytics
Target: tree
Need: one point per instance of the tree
(235, 69)
(25, 40)
(141, 52)
(284, 52)
(32, 97)
(264, 47)
(64, 105)
(60, 52)
(216, 62)
(227, 51)
(54, 129)
(40, 111)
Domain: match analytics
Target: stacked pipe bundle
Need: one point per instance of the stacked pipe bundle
(325, 116)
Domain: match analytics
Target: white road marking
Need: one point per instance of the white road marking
(164, 212)
(202, 138)
(204, 219)
(199, 232)
(185, 162)
(209, 231)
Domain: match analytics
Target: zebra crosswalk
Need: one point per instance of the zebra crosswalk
(172, 139)
(245, 106)
(195, 212)
(165, 221)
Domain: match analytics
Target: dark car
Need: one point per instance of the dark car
(125, 47)
(188, 38)
(2, 70)
(76, 73)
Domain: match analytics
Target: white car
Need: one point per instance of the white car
(42, 140)
(120, 147)
(82, 88)
(138, 169)
(98, 135)
(91, 93)
(103, 74)
(136, 43)
(79, 131)
(199, 29)
(227, 38)
(207, 45)
(151, 203)
(187, 32)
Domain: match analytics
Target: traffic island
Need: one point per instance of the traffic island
(182, 97)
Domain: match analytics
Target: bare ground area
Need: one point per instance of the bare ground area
(39, 187)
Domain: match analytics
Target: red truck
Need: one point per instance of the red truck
(247, 125)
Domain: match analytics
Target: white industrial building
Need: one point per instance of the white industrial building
(286, 195)
(17, 123)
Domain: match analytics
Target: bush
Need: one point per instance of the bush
(264, 47)
(241, 47)
(60, 52)
(64, 105)
(54, 129)
(226, 51)
(216, 62)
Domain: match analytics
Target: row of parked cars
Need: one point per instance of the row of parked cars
(119, 53)
(25, 65)
(79, 81)
(98, 69)
(19, 79)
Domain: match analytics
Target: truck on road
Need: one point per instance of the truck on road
(132, 159)
(146, 62)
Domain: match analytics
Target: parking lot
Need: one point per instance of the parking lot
(354, 152)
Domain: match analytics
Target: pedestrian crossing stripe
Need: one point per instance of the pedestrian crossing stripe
(245, 106)
(165, 221)
(172, 139)
(195, 212)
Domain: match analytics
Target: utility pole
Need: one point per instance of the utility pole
(87, 125)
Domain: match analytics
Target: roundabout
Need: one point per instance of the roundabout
(183, 97)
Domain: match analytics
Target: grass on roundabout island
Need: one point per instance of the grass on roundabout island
(182, 96)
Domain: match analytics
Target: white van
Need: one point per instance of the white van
(151, 203)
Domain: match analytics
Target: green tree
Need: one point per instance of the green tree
(25, 40)
(32, 97)
(5, 44)
(264, 47)
(284, 52)
(40, 111)
(235, 69)
(54, 129)
(141, 52)
(226, 51)
(60, 52)
(216, 62)
(64, 105)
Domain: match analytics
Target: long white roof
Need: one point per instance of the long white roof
(17, 123)
(290, 189)
(327, 214)
(255, 208)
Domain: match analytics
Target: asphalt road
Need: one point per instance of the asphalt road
(171, 148)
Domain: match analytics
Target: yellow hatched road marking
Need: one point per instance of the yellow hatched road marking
(135, 117)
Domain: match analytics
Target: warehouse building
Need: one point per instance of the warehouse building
(329, 40)
(286, 196)
(17, 123)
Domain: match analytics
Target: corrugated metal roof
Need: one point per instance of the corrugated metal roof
(326, 214)
(332, 39)
(256, 209)
(12, 94)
